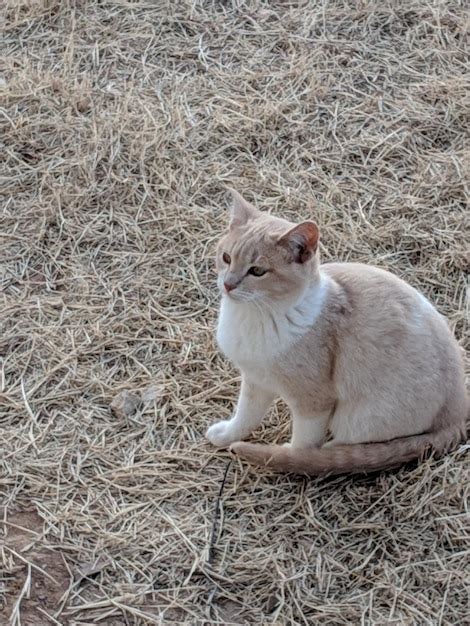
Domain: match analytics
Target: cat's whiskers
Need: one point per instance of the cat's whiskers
(244, 296)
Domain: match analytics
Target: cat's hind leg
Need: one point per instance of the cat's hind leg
(309, 430)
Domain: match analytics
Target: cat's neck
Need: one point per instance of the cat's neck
(249, 331)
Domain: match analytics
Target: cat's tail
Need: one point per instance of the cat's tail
(350, 458)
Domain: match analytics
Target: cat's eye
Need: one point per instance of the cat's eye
(257, 271)
(226, 258)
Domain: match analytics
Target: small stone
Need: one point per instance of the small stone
(90, 568)
(272, 603)
(125, 404)
(149, 394)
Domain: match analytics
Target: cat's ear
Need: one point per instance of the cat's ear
(241, 211)
(301, 241)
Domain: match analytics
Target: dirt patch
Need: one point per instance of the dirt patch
(35, 577)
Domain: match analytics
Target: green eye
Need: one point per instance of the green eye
(257, 271)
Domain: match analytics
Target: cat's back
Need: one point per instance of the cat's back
(365, 276)
(385, 314)
(390, 324)
(370, 289)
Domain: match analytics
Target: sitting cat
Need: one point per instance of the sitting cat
(354, 351)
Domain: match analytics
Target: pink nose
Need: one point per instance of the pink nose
(229, 287)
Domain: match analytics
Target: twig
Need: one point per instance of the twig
(211, 555)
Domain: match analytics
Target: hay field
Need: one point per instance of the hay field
(121, 123)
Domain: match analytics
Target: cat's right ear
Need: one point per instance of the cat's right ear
(241, 211)
(301, 241)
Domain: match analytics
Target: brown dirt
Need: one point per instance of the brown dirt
(35, 578)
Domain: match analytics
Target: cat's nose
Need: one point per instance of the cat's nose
(229, 286)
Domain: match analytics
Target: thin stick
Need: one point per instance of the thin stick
(214, 531)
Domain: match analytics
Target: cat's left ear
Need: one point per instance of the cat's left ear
(301, 241)
(241, 211)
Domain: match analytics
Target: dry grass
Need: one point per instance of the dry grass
(122, 122)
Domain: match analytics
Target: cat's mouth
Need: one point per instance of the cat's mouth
(230, 294)
(235, 296)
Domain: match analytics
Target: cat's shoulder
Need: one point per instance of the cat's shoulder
(356, 270)
(364, 276)
(375, 286)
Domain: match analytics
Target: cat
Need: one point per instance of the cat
(369, 369)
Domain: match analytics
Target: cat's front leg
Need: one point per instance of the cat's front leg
(252, 406)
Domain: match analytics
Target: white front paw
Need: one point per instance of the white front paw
(222, 434)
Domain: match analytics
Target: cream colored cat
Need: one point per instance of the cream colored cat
(353, 350)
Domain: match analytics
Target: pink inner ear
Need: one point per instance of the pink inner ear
(309, 231)
(301, 241)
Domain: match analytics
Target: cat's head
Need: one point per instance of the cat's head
(265, 258)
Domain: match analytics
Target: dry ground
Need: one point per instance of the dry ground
(121, 123)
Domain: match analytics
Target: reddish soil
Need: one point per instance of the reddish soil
(22, 535)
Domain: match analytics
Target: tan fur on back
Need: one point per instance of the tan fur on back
(354, 351)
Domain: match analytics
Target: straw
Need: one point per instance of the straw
(122, 125)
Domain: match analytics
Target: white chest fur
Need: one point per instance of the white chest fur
(253, 335)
